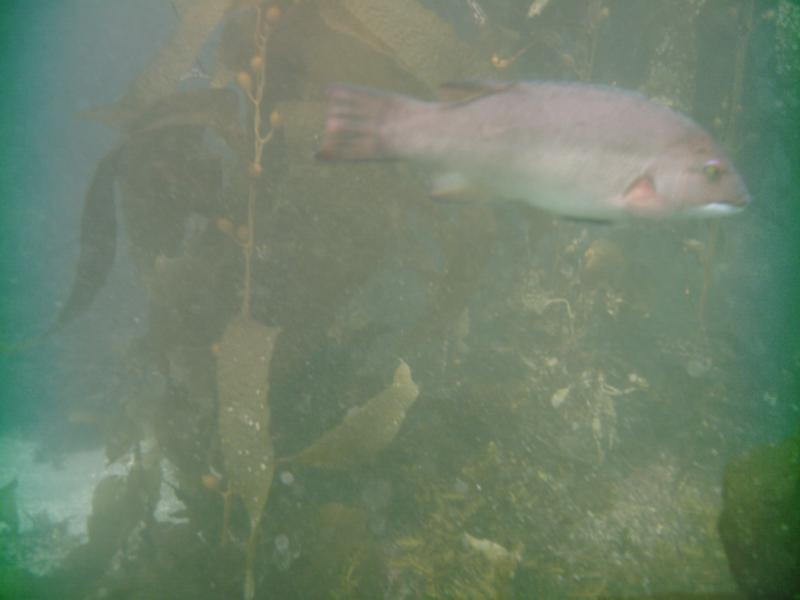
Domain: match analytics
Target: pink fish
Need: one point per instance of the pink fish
(578, 150)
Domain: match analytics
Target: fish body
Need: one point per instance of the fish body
(579, 150)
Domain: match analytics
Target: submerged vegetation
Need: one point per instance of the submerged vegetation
(356, 392)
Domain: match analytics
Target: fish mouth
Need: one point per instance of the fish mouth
(719, 209)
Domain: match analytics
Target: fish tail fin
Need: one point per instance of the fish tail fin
(355, 124)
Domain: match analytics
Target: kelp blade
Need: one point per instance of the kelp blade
(244, 419)
(365, 431)
(98, 242)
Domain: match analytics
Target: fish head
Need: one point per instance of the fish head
(695, 178)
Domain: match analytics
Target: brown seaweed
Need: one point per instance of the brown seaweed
(154, 132)
(420, 42)
(159, 79)
(98, 242)
(212, 107)
(244, 420)
(243, 390)
(366, 430)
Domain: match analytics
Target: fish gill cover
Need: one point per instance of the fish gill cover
(353, 391)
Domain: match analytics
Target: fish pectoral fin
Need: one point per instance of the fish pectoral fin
(459, 92)
(641, 197)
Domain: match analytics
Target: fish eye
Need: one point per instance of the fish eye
(712, 170)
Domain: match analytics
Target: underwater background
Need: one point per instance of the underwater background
(229, 370)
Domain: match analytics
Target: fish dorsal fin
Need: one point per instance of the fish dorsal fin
(466, 91)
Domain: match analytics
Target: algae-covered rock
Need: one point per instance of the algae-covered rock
(673, 62)
(760, 521)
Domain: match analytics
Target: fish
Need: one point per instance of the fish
(582, 151)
